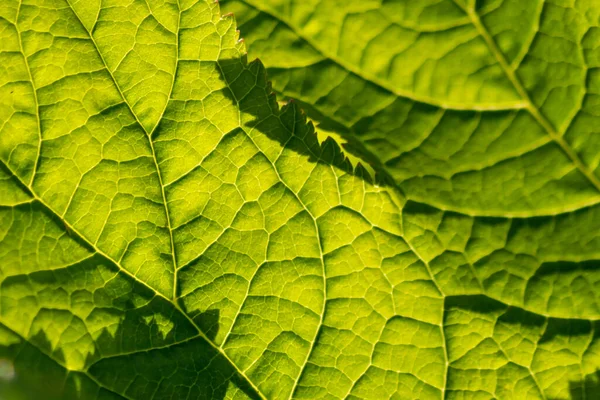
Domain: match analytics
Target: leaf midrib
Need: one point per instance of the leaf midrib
(148, 134)
(162, 186)
(35, 97)
(34, 195)
(80, 236)
(526, 104)
(531, 107)
(506, 106)
(174, 302)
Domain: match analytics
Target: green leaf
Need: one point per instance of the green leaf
(168, 231)
(452, 98)
(484, 114)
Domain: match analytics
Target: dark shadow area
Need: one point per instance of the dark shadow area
(566, 267)
(249, 87)
(252, 23)
(122, 359)
(191, 369)
(588, 388)
(144, 349)
(352, 145)
(476, 303)
(7, 175)
(559, 327)
(30, 374)
(208, 321)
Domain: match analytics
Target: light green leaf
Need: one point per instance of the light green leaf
(168, 231)
(484, 114)
(454, 99)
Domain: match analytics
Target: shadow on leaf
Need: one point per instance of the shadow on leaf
(288, 125)
(588, 388)
(128, 343)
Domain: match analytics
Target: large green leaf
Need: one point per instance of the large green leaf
(166, 231)
(485, 114)
(453, 98)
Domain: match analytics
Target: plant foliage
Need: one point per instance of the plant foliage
(168, 231)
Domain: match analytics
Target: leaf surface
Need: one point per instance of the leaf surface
(452, 98)
(484, 114)
(168, 231)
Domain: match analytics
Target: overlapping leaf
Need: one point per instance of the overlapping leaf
(485, 115)
(168, 232)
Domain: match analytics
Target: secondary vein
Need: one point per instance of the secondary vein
(148, 135)
(388, 87)
(530, 106)
(35, 97)
(81, 237)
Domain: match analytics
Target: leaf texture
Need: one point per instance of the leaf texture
(452, 98)
(167, 231)
(484, 114)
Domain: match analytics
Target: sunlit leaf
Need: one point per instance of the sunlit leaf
(168, 231)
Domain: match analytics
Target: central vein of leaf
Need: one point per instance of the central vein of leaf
(530, 106)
